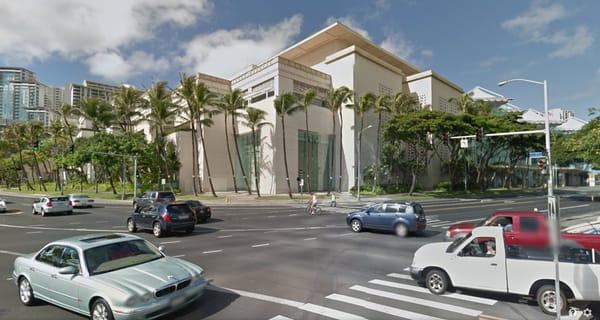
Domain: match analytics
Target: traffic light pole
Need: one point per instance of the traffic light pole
(134, 177)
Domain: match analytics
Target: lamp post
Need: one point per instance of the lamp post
(552, 204)
(359, 155)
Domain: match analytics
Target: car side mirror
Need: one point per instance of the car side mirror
(161, 249)
(68, 270)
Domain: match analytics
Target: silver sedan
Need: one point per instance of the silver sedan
(108, 276)
(81, 201)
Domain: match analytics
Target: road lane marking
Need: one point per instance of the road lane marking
(271, 216)
(419, 301)
(406, 269)
(179, 256)
(400, 276)
(280, 229)
(478, 206)
(102, 221)
(320, 310)
(211, 251)
(308, 239)
(571, 207)
(169, 242)
(11, 213)
(116, 227)
(345, 234)
(260, 245)
(380, 307)
(54, 228)
(458, 296)
(227, 236)
(280, 317)
(451, 223)
(12, 253)
(292, 215)
(77, 223)
(37, 225)
(31, 232)
(9, 278)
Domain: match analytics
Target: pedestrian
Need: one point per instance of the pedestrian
(333, 202)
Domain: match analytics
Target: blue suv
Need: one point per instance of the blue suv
(401, 217)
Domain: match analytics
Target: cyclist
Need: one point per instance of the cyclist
(313, 204)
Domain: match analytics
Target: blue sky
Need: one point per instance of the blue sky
(469, 42)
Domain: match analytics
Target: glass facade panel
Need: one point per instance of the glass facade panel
(321, 153)
(245, 145)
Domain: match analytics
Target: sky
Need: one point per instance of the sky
(470, 43)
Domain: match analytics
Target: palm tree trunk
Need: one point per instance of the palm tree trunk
(256, 173)
(39, 171)
(413, 181)
(341, 155)
(376, 171)
(307, 148)
(332, 161)
(23, 169)
(357, 171)
(229, 155)
(287, 174)
(210, 182)
(237, 150)
(194, 158)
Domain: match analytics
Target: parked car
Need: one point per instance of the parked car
(162, 218)
(152, 197)
(525, 228)
(108, 276)
(81, 201)
(592, 227)
(2, 205)
(46, 205)
(400, 217)
(482, 260)
(202, 212)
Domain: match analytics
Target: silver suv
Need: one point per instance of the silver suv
(46, 205)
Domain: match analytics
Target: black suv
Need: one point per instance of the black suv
(162, 218)
(152, 197)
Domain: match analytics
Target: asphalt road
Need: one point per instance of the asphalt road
(275, 262)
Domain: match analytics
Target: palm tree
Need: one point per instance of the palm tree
(128, 102)
(198, 100)
(66, 112)
(231, 103)
(285, 104)
(383, 104)
(304, 102)
(361, 106)
(161, 118)
(99, 113)
(335, 100)
(34, 133)
(15, 135)
(255, 120)
(465, 103)
(57, 134)
(404, 103)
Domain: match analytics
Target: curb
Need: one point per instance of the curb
(488, 317)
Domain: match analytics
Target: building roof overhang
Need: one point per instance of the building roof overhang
(339, 31)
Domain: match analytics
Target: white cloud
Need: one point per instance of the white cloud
(534, 25)
(397, 44)
(224, 52)
(113, 66)
(352, 23)
(427, 53)
(492, 61)
(88, 29)
(575, 44)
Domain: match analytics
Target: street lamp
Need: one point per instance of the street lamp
(359, 155)
(554, 223)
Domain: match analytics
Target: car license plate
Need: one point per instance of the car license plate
(177, 301)
(183, 216)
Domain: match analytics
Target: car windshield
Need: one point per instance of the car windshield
(119, 255)
(456, 243)
(59, 199)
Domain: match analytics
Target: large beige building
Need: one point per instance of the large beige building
(333, 57)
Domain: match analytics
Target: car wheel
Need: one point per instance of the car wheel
(33, 211)
(546, 299)
(131, 225)
(401, 230)
(356, 225)
(43, 213)
(157, 230)
(101, 311)
(25, 292)
(70, 212)
(437, 281)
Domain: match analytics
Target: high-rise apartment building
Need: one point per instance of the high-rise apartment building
(19, 92)
(74, 92)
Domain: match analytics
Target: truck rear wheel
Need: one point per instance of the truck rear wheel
(546, 299)
(437, 281)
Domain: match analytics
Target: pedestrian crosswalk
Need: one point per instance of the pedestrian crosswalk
(434, 222)
(395, 296)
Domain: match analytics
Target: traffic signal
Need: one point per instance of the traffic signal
(446, 138)
(542, 164)
(36, 145)
(479, 134)
(72, 148)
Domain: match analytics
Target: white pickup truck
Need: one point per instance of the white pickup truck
(480, 261)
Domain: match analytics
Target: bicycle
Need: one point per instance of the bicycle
(312, 210)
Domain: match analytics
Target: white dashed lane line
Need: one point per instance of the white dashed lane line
(179, 256)
(18, 254)
(170, 242)
(260, 245)
(32, 232)
(227, 236)
(212, 251)
(308, 239)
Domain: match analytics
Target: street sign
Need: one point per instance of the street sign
(163, 181)
(536, 154)
(464, 143)
(301, 182)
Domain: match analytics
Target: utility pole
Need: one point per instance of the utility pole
(134, 177)
(123, 179)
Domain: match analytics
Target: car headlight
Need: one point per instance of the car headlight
(133, 301)
(199, 276)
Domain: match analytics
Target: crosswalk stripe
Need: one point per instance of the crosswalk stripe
(447, 223)
(324, 311)
(432, 220)
(439, 224)
(280, 317)
(406, 269)
(400, 276)
(423, 290)
(419, 301)
(380, 307)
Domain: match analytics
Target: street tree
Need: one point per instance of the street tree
(335, 100)
(255, 120)
(285, 105)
